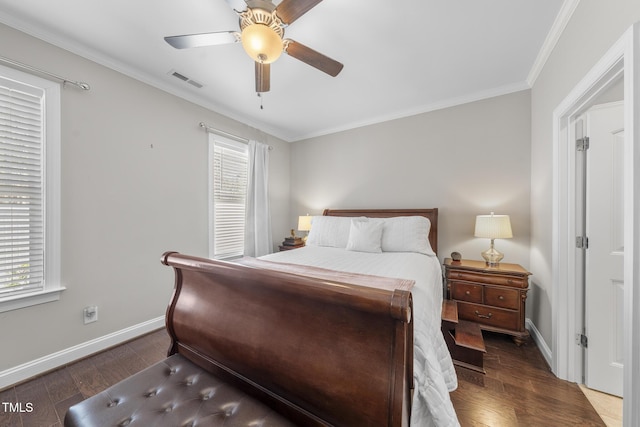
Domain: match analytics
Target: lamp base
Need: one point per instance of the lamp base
(492, 256)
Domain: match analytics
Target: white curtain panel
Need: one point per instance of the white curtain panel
(258, 240)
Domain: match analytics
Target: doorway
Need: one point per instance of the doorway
(600, 241)
(622, 61)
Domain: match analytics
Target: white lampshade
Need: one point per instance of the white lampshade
(304, 223)
(493, 226)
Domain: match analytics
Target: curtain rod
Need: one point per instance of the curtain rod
(227, 134)
(81, 85)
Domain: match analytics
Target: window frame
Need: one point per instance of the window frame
(230, 144)
(51, 162)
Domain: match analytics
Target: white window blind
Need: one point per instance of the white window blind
(228, 192)
(21, 188)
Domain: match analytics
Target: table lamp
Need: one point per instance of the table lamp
(304, 224)
(493, 227)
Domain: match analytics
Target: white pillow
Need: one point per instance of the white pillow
(330, 231)
(365, 236)
(407, 234)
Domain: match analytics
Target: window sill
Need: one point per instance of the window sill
(27, 300)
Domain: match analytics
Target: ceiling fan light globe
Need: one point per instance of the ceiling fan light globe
(261, 43)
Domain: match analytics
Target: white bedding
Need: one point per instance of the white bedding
(434, 373)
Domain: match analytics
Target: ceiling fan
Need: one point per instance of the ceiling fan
(262, 26)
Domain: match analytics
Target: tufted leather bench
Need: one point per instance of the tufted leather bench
(174, 392)
(260, 348)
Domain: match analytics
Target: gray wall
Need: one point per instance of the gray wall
(466, 160)
(594, 27)
(124, 202)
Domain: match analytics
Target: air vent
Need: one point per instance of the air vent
(184, 78)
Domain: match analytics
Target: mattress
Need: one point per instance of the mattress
(433, 369)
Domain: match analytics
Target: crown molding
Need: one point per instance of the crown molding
(76, 47)
(421, 109)
(560, 23)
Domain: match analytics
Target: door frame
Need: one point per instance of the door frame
(621, 61)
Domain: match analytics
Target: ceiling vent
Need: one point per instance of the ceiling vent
(184, 78)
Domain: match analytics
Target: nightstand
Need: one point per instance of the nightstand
(493, 297)
(288, 247)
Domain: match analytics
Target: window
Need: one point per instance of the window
(228, 169)
(29, 190)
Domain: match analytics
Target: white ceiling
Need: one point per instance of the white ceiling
(401, 57)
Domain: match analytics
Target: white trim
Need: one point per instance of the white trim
(622, 58)
(34, 298)
(76, 47)
(83, 51)
(537, 337)
(631, 382)
(55, 360)
(560, 23)
(421, 109)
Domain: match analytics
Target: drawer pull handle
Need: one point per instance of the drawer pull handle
(467, 293)
(501, 298)
(510, 281)
(483, 316)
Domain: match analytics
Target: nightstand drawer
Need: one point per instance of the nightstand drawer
(494, 279)
(502, 297)
(491, 316)
(466, 292)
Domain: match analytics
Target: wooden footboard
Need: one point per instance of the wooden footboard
(319, 352)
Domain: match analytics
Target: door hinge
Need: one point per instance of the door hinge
(582, 242)
(582, 144)
(581, 340)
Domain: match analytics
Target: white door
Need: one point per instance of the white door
(604, 286)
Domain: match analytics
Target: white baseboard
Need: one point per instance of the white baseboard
(44, 364)
(540, 342)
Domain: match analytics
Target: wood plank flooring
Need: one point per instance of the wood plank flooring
(517, 390)
(52, 394)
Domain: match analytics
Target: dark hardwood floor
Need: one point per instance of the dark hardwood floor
(52, 394)
(517, 390)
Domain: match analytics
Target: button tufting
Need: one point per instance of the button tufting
(151, 393)
(190, 380)
(125, 422)
(207, 393)
(230, 409)
(112, 403)
(168, 409)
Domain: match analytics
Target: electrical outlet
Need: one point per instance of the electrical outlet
(90, 314)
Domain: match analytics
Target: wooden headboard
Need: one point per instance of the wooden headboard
(431, 214)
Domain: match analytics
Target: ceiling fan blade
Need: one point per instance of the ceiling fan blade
(237, 5)
(290, 10)
(263, 77)
(205, 39)
(313, 58)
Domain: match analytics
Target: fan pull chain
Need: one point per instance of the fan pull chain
(260, 96)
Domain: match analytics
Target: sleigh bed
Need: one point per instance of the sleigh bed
(344, 332)
(406, 249)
